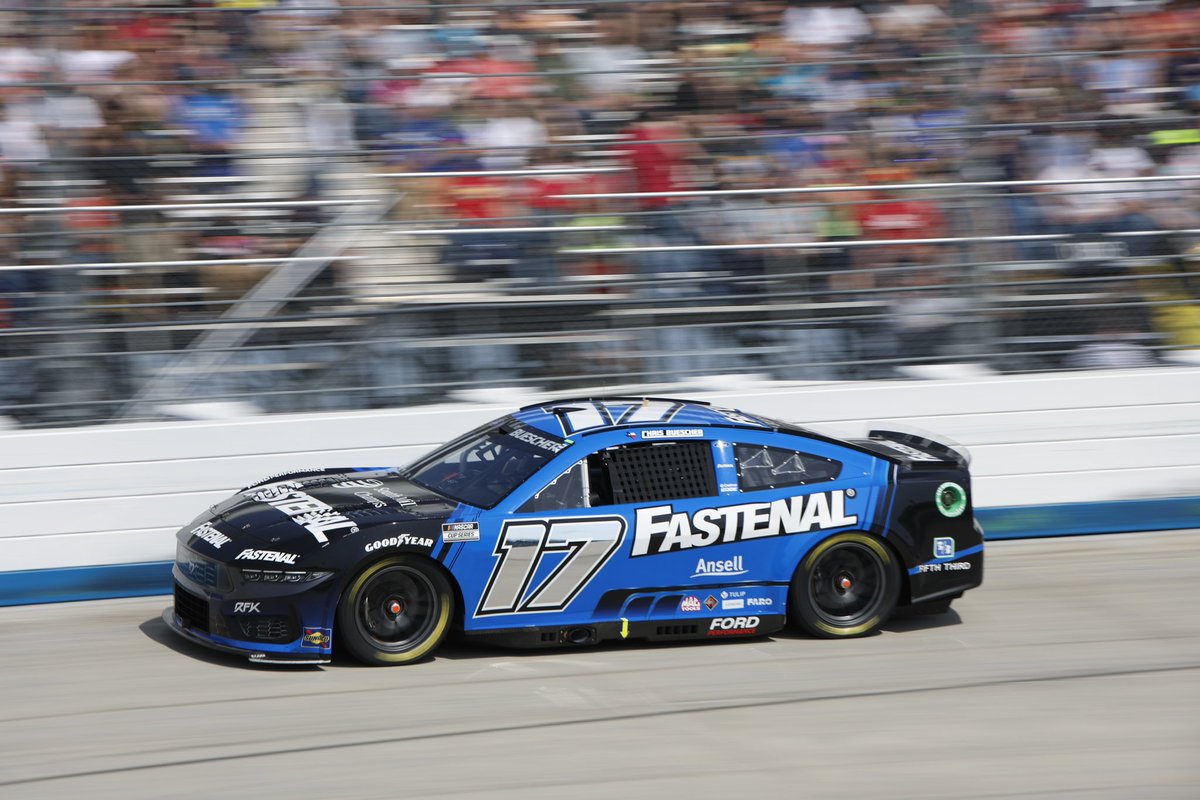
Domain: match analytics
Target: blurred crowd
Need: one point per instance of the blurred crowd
(668, 130)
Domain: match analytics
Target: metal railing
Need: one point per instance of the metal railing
(743, 267)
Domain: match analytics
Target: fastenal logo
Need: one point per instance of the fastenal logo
(211, 535)
(661, 529)
(267, 555)
(316, 517)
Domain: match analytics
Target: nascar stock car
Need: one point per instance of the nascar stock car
(578, 521)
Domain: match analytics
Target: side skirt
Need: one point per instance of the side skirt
(741, 626)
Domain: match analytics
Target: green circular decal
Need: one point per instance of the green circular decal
(951, 499)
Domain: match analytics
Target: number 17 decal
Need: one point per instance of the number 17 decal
(587, 541)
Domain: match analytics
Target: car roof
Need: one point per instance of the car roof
(575, 415)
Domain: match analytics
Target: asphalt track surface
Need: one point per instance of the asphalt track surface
(1074, 672)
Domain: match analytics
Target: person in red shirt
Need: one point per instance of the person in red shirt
(899, 215)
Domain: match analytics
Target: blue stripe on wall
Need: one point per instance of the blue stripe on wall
(1019, 522)
(1073, 519)
(84, 583)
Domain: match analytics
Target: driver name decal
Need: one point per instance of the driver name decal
(661, 529)
(538, 440)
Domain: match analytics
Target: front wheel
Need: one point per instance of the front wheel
(847, 586)
(396, 611)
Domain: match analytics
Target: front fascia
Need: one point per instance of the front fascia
(225, 605)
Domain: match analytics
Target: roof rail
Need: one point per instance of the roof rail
(609, 398)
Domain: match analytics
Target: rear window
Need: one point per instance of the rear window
(762, 467)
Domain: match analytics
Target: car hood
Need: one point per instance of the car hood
(304, 514)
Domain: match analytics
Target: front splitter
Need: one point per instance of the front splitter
(255, 656)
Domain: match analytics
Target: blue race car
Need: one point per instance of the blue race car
(579, 521)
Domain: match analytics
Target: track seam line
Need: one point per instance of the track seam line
(593, 720)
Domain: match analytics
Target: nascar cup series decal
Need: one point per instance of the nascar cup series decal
(661, 529)
(460, 532)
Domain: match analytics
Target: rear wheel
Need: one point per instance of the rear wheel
(847, 586)
(396, 611)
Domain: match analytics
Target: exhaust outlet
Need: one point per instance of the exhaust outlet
(578, 635)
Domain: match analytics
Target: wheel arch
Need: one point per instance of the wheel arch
(350, 575)
(418, 557)
(893, 551)
(903, 596)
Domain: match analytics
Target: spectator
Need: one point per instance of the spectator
(825, 25)
(213, 117)
(506, 133)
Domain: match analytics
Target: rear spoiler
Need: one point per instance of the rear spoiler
(924, 445)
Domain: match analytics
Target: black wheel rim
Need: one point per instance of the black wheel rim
(847, 585)
(397, 609)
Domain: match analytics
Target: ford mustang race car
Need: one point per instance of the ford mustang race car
(579, 521)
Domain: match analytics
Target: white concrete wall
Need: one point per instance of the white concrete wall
(116, 494)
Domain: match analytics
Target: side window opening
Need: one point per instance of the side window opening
(762, 467)
(635, 473)
(567, 491)
(646, 473)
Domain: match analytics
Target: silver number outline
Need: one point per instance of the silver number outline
(585, 557)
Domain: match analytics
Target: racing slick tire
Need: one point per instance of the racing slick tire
(396, 611)
(847, 586)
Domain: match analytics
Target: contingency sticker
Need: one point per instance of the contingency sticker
(460, 532)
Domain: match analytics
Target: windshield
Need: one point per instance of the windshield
(481, 468)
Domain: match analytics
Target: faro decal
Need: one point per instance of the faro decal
(661, 529)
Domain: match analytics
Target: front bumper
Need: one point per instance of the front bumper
(256, 656)
(270, 623)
